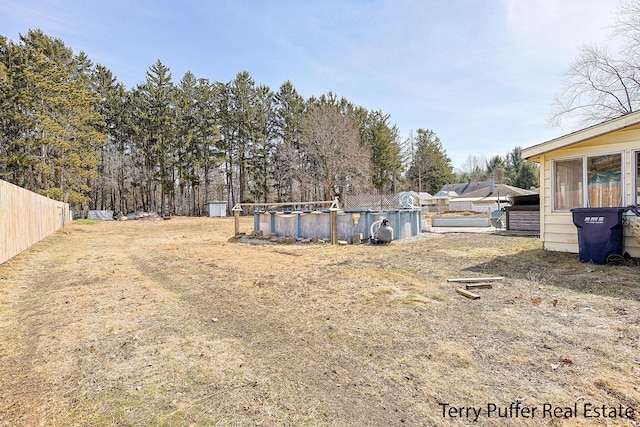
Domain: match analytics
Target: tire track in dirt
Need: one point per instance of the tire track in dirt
(101, 334)
(291, 358)
(27, 331)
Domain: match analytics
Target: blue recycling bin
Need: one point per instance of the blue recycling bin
(600, 234)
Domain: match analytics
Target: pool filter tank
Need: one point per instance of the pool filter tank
(385, 232)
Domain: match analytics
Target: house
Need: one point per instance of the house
(487, 199)
(594, 167)
(463, 188)
(441, 200)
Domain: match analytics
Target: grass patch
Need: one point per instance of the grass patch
(170, 323)
(85, 222)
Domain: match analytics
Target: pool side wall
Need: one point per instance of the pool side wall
(306, 225)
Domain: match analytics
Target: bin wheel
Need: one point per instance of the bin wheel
(615, 259)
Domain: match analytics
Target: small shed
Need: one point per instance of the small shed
(524, 213)
(425, 198)
(442, 198)
(595, 167)
(217, 209)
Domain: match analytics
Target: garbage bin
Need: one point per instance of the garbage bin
(600, 234)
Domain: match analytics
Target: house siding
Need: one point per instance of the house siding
(557, 231)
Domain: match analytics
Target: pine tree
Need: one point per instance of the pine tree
(290, 109)
(430, 167)
(188, 148)
(207, 134)
(51, 118)
(260, 162)
(112, 188)
(225, 119)
(244, 129)
(386, 160)
(158, 132)
(496, 169)
(512, 165)
(527, 176)
(197, 137)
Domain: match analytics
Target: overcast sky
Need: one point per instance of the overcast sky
(482, 74)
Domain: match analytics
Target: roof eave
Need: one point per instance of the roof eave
(533, 153)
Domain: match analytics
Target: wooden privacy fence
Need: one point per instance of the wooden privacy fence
(26, 218)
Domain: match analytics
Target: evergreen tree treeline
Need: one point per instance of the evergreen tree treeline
(71, 131)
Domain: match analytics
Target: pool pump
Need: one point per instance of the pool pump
(384, 234)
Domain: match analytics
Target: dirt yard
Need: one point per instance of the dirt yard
(169, 323)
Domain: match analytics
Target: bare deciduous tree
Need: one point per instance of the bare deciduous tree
(601, 86)
(336, 162)
(474, 168)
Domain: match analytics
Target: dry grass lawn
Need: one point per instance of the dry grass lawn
(170, 323)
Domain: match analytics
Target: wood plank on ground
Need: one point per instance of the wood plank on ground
(478, 286)
(475, 279)
(467, 294)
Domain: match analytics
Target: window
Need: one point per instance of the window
(637, 176)
(568, 184)
(602, 175)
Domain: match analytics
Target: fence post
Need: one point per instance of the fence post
(236, 218)
(334, 226)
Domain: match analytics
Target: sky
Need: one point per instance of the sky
(481, 74)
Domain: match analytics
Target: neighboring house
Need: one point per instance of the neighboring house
(500, 190)
(462, 189)
(425, 198)
(448, 192)
(595, 167)
(487, 199)
(480, 196)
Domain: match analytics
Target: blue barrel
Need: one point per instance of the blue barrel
(600, 233)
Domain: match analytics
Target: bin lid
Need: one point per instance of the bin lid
(600, 210)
